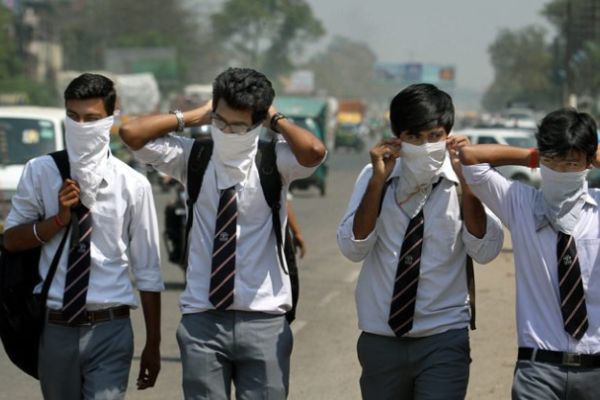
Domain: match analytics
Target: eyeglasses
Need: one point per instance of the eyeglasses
(238, 128)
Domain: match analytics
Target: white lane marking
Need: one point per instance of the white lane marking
(327, 299)
(297, 325)
(352, 276)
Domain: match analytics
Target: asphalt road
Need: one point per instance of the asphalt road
(324, 362)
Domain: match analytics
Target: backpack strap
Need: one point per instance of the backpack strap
(61, 159)
(197, 164)
(270, 181)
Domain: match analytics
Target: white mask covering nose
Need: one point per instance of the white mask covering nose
(563, 194)
(233, 155)
(87, 146)
(420, 166)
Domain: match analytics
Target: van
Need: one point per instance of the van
(25, 133)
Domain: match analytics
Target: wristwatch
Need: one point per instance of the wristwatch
(275, 119)
(180, 121)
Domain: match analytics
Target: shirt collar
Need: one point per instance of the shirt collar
(106, 174)
(539, 210)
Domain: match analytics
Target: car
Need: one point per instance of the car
(512, 137)
(25, 132)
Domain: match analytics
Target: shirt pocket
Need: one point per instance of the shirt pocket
(443, 233)
(107, 234)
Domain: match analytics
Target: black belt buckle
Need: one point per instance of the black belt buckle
(571, 359)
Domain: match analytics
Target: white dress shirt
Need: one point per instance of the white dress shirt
(539, 318)
(125, 232)
(260, 282)
(442, 295)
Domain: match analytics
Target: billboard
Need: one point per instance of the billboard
(408, 73)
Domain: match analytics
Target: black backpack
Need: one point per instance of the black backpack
(22, 313)
(270, 181)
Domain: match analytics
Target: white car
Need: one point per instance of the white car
(25, 133)
(512, 137)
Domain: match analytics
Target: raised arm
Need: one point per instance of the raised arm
(142, 130)
(383, 159)
(309, 150)
(498, 155)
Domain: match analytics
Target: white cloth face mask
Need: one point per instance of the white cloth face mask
(233, 155)
(420, 166)
(423, 162)
(563, 197)
(87, 146)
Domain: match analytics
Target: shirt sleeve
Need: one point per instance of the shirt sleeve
(352, 248)
(26, 204)
(493, 189)
(289, 167)
(143, 242)
(168, 154)
(485, 249)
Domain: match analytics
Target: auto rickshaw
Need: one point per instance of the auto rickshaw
(311, 114)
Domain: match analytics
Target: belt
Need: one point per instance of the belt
(90, 317)
(560, 358)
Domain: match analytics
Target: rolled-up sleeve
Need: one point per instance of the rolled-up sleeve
(144, 245)
(288, 166)
(168, 154)
(352, 248)
(493, 189)
(485, 249)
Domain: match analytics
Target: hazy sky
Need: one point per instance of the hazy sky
(454, 32)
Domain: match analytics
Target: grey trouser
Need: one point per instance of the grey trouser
(86, 362)
(538, 380)
(250, 349)
(432, 367)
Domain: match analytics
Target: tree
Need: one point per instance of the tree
(523, 64)
(345, 68)
(88, 28)
(263, 34)
(576, 22)
(12, 69)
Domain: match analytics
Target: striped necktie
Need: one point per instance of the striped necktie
(222, 277)
(402, 307)
(78, 271)
(572, 297)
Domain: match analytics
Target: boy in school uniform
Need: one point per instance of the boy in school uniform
(556, 239)
(406, 224)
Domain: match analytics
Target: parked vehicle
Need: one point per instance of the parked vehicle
(351, 128)
(25, 133)
(311, 114)
(512, 137)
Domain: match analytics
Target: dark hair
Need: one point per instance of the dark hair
(244, 89)
(565, 130)
(421, 107)
(93, 86)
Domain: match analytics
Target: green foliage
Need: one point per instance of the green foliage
(87, 32)
(263, 34)
(523, 65)
(10, 64)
